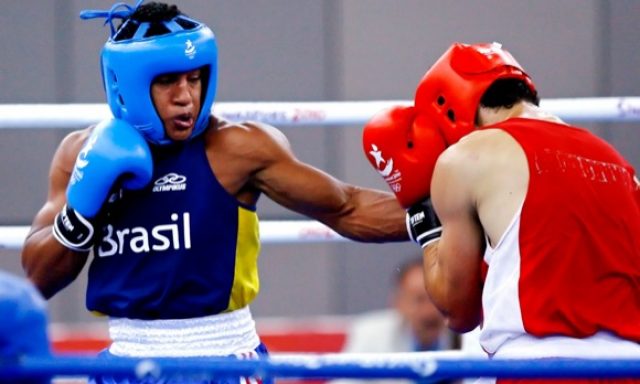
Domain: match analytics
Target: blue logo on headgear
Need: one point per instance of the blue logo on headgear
(129, 67)
(190, 50)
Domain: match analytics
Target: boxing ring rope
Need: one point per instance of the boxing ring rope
(416, 365)
(271, 232)
(73, 116)
(338, 113)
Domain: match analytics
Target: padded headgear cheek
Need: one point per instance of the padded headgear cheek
(450, 91)
(403, 147)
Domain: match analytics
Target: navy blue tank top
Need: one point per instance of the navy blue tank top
(181, 247)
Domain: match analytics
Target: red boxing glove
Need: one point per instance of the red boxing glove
(403, 147)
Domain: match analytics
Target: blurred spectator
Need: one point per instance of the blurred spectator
(412, 323)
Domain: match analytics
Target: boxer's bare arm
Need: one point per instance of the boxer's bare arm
(46, 262)
(452, 266)
(358, 213)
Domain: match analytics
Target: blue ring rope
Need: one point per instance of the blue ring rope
(317, 369)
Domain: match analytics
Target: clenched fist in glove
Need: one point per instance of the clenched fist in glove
(114, 152)
(403, 146)
(423, 224)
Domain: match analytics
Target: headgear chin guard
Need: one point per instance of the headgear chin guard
(451, 90)
(130, 65)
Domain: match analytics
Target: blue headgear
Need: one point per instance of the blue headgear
(130, 65)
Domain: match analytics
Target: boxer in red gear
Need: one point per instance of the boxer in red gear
(540, 219)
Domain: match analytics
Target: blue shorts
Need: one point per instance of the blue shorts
(261, 350)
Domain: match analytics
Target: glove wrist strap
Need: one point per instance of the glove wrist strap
(73, 230)
(423, 224)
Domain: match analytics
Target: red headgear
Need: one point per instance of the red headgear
(403, 147)
(451, 89)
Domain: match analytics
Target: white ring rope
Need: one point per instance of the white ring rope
(73, 116)
(275, 231)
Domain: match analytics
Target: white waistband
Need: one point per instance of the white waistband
(601, 345)
(217, 335)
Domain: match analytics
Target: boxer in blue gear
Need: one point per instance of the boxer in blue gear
(23, 328)
(175, 259)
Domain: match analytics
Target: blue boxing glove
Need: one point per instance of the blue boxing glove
(23, 329)
(423, 224)
(114, 152)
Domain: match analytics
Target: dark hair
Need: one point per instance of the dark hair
(154, 13)
(507, 92)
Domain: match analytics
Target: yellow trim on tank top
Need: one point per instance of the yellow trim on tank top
(246, 282)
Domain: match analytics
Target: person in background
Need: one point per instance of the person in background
(412, 324)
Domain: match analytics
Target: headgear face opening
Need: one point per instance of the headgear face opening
(451, 90)
(130, 65)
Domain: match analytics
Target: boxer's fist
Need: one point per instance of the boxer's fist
(423, 224)
(115, 152)
(403, 147)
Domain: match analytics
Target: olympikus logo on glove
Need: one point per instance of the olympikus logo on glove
(142, 240)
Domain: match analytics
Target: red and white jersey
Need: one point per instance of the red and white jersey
(564, 279)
